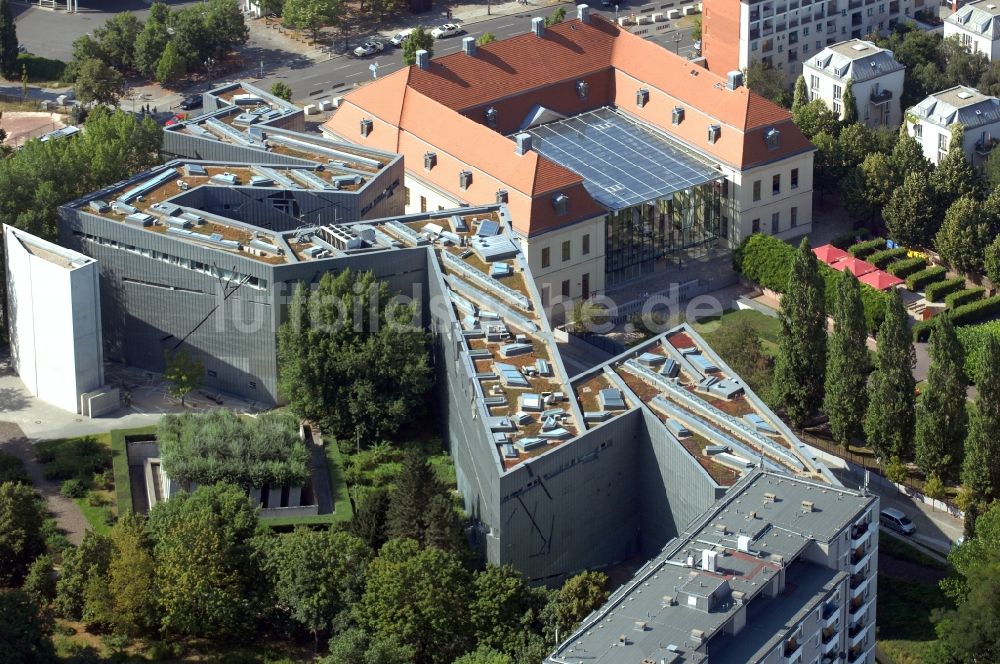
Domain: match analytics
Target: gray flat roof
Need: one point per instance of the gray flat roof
(622, 162)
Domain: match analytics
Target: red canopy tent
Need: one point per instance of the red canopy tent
(830, 254)
(857, 266)
(880, 280)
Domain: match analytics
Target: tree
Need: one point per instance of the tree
(355, 646)
(184, 374)
(315, 575)
(485, 655)
(845, 398)
(767, 82)
(21, 539)
(981, 467)
(225, 23)
(577, 598)
(879, 179)
(281, 90)
(359, 376)
(24, 633)
(850, 115)
(8, 41)
(420, 596)
(97, 82)
(369, 522)
(801, 362)
(420, 509)
(206, 574)
(954, 176)
(172, 66)
(486, 38)
(800, 96)
(501, 604)
(558, 16)
(991, 169)
(912, 215)
(696, 28)
(310, 14)
(941, 418)
(117, 39)
(150, 44)
(964, 235)
(131, 578)
(853, 194)
(991, 262)
(908, 157)
(827, 172)
(80, 565)
(418, 40)
(889, 422)
(814, 117)
(740, 346)
(40, 583)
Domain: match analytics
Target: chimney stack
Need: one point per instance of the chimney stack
(423, 59)
(538, 26)
(523, 143)
(583, 13)
(734, 79)
(469, 46)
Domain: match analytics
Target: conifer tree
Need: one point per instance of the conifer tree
(847, 359)
(981, 468)
(941, 416)
(8, 41)
(801, 94)
(850, 106)
(801, 362)
(889, 423)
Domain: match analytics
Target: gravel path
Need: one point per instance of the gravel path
(66, 513)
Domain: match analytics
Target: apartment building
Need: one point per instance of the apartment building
(976, 25)
(780, 570)
(876, 80)
(786, 33)
(613, 154)
(931, 122)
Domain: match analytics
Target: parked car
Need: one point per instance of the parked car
(189, 103)
(446, 30)
(894, 519)
(400, 37)
(369, 48)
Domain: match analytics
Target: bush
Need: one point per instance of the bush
(847, 239)
(40, 69)
(12, 469)
(95, 499)
(906, 267)
(965, 296)
(974, 311)
(919, 280)
(936, 292)
(973, 340)
(881, 259)
(73, 489)
(866, 248)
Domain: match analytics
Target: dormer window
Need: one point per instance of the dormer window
(492, 117)
(430, 160)
(561, 203)
(582, 89)
(465, 179)
(366, 127)
(501, 196)
(773, 139)
(714, 131)
(678, 115)
(641, 97)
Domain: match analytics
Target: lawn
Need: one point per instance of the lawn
(89, 460)
(123, 483)
(905, 630)
(766, 326)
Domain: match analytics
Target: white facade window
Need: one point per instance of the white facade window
(918, 131)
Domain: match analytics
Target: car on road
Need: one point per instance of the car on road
(189, 103)
(400, 37)
(894, 519)
(369, 48)
(446, 30)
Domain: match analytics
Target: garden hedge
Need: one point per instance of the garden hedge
(920, 280)
(962, 297)
(937, 291)
(906, 267)
(963, 315)
(768, 261)
(867, 247)
(973, 340)
(882, 259)
(847, 239)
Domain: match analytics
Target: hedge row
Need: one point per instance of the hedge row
(919, 280)
(847, 239)
(935, 292)
(881, 259)
(906, 267)
(866, 248)
(963, 315)
(768, 261)
(965, 296)
(973, 340)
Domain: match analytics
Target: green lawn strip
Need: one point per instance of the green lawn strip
(96, 516)
(766, 326)
(342, 510)
(123, 482)
(900, 550)
(905, 630)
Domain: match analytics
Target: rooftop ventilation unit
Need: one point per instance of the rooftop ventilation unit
(807, 506)
(641, 97)
(99, 206)
(423, 59)
(465, 179)
(714, 131)
(770, 497)
(538, 26)
(492, 117)
(469, 46)
(734, 79)
(582, 88)
(743, 543)
(709, 560)
(678, 115)
(523, 142)
(366, 126)
(583, 13)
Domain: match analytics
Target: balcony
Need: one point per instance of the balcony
(768, 13)
(781, 27)
(830, 614)
(881, 97)
(861, 588)
(818, 16)
(856, 635)
(767, 31)
(780, 9)
(792, 648)
(854, 4)
(858, 562)
(860, 533)
(984, 147)
(829, 634)
(831, 29)
(793, 23)
(830, 642)
(858, 606)
(755, 15)
(755, 33)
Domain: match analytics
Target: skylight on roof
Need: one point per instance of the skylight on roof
(964, 95)
(860, 47)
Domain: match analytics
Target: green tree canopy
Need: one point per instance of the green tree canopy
(557, 16)
(419, 40)
(850, 115)
(954, 176)
(486, 38)
(98, 82)
(281, 90)
(150, 45)
(172, 66)
(845, 399)
(117, 39)
(502, 603)
(800, 94)
(575, 600)
(420, 508)
(964, 235)
(24, 633)
(991, 261)
(131, 578)
(21, 539)
(184, 373)
(768, 82)
(8, 41)
(801, 362)
(981, 467)
(889, 423)
(911, 214)
(739, 345)
(485, 655)
(356, 646)
(941, 418)
(80, 566)
(814, 117)
(311, 15)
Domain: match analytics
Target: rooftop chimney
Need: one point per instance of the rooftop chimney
(423, 59)
(469, 46)
(583, 13)
(538, 26)
(734, 79)
(523, 143)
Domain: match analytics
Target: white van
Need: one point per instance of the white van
(400, 37)
(893, 519)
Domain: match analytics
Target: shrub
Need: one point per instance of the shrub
(73, 489)
(39, 68)
(973, 340)
(906, 267)
(965, 296)
(847, 239)
(936, 292)
(974, 311)
(919, 280)
(867, 247)
(881, 259)
(95, 499)
(12, 469)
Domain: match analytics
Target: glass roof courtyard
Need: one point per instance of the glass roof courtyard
(622, 162)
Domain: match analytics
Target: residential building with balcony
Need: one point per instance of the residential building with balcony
(977, 26)
(786, 33)
(931, 122)
(875, 76)
(780, 570)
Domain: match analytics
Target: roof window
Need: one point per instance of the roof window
(773, 139)
(492, 117)
(582, 89)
